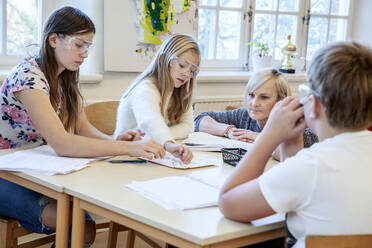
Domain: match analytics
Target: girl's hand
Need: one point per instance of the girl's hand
(145, 149)
(130, 135)
(179, 151)
(242, 135)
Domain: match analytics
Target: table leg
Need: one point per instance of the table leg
(63, 215)
(78, 225)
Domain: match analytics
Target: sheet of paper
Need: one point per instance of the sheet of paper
(215, 180)
(216, 141)
(269, 220)
(177, 192)
(200, 161)
(42, 160)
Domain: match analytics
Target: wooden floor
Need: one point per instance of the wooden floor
(101, 239)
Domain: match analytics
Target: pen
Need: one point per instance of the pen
(127, 161)
(192, 144)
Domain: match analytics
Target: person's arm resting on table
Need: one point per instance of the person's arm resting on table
(51, 128)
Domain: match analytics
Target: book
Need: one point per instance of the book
(200, 141)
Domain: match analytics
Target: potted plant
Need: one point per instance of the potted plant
(260, 58)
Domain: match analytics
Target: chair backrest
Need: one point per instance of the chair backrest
(339, 241)
(102, 115)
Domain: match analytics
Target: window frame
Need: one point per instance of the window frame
(6, 60)
(247, 28)
(234, 64)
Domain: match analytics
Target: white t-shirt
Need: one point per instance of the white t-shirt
(325, 189)
(141, 109)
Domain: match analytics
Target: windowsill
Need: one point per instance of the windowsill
(84, 78)
(240, 77)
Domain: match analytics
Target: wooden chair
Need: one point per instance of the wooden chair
(102, 115)
(339, 241)
(11, 231)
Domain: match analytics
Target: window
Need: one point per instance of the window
(20, 29)
(226, 26)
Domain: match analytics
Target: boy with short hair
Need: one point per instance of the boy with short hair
(324, 189)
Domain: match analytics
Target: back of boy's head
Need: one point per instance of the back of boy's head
(340, 76)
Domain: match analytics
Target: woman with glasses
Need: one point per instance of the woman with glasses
(263, 91)
(158, 102)
(41, 104)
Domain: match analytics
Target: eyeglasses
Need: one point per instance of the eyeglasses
(185, 66)
(304, 92)
(77, 44)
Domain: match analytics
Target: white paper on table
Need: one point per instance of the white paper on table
(213, 143)
(215, 180)
(177, 192)
(201, 160)
(42, 160)
(269, 220)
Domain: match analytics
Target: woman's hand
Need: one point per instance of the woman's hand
(242, 135)
(130, 135)
(179, 151)
(145, 149)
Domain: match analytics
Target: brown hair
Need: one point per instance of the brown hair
(340, 76)
(64, 21)
(158, 72)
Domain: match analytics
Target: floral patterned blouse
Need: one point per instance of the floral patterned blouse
(16, 128)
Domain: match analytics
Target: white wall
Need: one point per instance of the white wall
(362, 19)
(115, 83)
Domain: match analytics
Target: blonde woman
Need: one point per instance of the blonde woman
(263, 91)
(159, 101)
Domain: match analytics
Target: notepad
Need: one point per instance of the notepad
(206, 142)
(42, 160)
(201, 160)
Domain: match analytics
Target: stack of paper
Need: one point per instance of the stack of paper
(201, 141)
(42, 160)
(200, 161)
(177, 192)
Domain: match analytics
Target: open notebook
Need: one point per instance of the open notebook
(200, 141)
(199, 160)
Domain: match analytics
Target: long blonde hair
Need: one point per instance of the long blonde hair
(159, 72)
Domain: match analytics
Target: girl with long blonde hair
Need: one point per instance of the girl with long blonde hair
(159, 101)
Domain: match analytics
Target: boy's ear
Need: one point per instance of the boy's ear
(52, 39)
(316, 107)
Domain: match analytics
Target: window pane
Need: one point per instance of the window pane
(287, 25)
(264, 30)
(266, 4)
(207, 2)
(22, 25)
(317, 35)
(289, 5)
(320, 6)
(337, 29)
(206, 32)
(228, 39)
(232, 3)
(340, 7)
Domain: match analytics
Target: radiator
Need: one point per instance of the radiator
(216, 104)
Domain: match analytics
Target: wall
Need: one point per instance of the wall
(114, 83)
(361, 30)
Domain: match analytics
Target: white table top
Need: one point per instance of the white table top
(103, 184)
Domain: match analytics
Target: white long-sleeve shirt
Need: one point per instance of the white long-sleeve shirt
(141, 109)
